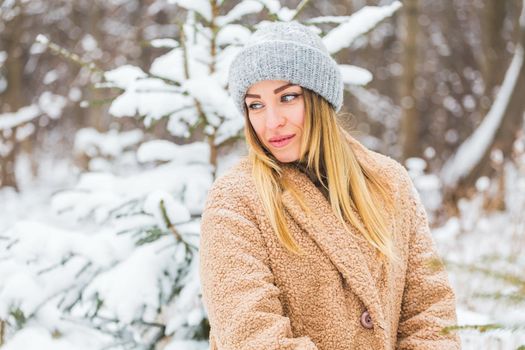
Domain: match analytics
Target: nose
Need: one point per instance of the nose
(274, 118)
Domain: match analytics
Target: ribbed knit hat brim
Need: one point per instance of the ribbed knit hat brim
(289, 60)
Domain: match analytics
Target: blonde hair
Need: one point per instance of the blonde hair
(329, 155)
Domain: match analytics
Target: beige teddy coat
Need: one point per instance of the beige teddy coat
(338, 296)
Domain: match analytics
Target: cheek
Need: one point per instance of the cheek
(297, 117)
(257, 126)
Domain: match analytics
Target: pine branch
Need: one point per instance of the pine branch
(300, 7)
(62, 262)
(2, 332)
(512, 298)
(482, 328)
(503, 276)
(73, 57)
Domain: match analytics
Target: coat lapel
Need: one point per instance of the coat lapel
(348, 251)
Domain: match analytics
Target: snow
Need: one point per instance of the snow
(24, 131)
(163, 66)
(187, 345)
(46, 266)
(89, 43)
(224, 59)
(273, 6)
(132, 283)
(98, 194)
(50, 76)
(88, 256)
(39, 338)
(165, 209)
(163, 150)
(473, 148)
(415, 164)
(50, 244)
(52, 104)
(357, 24)
(466, 239)
(285, 14)
(482, 184)
(32, 275)
(112, 144)
(229, 129)
(124, 75)
(179, 121)
(75, 94)
(233, 34)
(188, 307)
(202, 7)
(42, 39)
(171, 64)
(166, 42)
(379, 108)
(213, 99)
(327, 19)
(151, 97)
(473, 246)
(238, 11)
(353, 75)
(23, 115)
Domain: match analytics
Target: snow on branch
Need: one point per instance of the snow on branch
(202, 7)
(353, 75)
(244, 8)
(22, 116)
(357, 24)
(473, 148)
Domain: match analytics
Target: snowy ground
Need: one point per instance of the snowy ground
(477, 239)
(483, 254)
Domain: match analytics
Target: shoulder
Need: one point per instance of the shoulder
(232, 189)
(231, 206)
(403, 189)
(382, 164)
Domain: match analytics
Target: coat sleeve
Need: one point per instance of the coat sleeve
(238, 291)
(428, 300)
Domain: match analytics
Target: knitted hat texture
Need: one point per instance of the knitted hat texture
(285, 51)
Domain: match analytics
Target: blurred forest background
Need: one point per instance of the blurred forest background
(108, 145)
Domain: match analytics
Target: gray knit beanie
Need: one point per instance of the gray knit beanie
(285, 51)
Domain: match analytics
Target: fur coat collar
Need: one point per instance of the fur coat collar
(339, 296)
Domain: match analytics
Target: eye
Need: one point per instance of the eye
(254, 106)
(289, 97)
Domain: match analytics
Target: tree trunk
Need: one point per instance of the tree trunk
(13, 96)
(409, 118)
(7, 165)
(497, 131)
(2, 331)
(96, 113)
(493, 44)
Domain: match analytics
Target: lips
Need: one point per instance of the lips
(281, 141)
(281, 138)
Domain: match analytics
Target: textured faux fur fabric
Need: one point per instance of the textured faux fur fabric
(338, 296)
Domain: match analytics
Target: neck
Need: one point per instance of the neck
(303, 167)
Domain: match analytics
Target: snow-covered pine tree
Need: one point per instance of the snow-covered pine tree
(116, 267)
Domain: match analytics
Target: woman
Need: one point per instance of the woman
(313, 241)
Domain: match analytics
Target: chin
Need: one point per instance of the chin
(287, 159)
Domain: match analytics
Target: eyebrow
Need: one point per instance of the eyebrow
(279, 89)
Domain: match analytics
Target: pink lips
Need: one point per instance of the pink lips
(281, 141)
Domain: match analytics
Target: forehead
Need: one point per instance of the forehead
(269, 86)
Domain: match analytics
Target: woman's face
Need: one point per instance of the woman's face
(276, 113)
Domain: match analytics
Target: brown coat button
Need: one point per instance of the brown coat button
(366, 320)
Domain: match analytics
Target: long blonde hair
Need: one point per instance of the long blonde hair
(350, 185)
